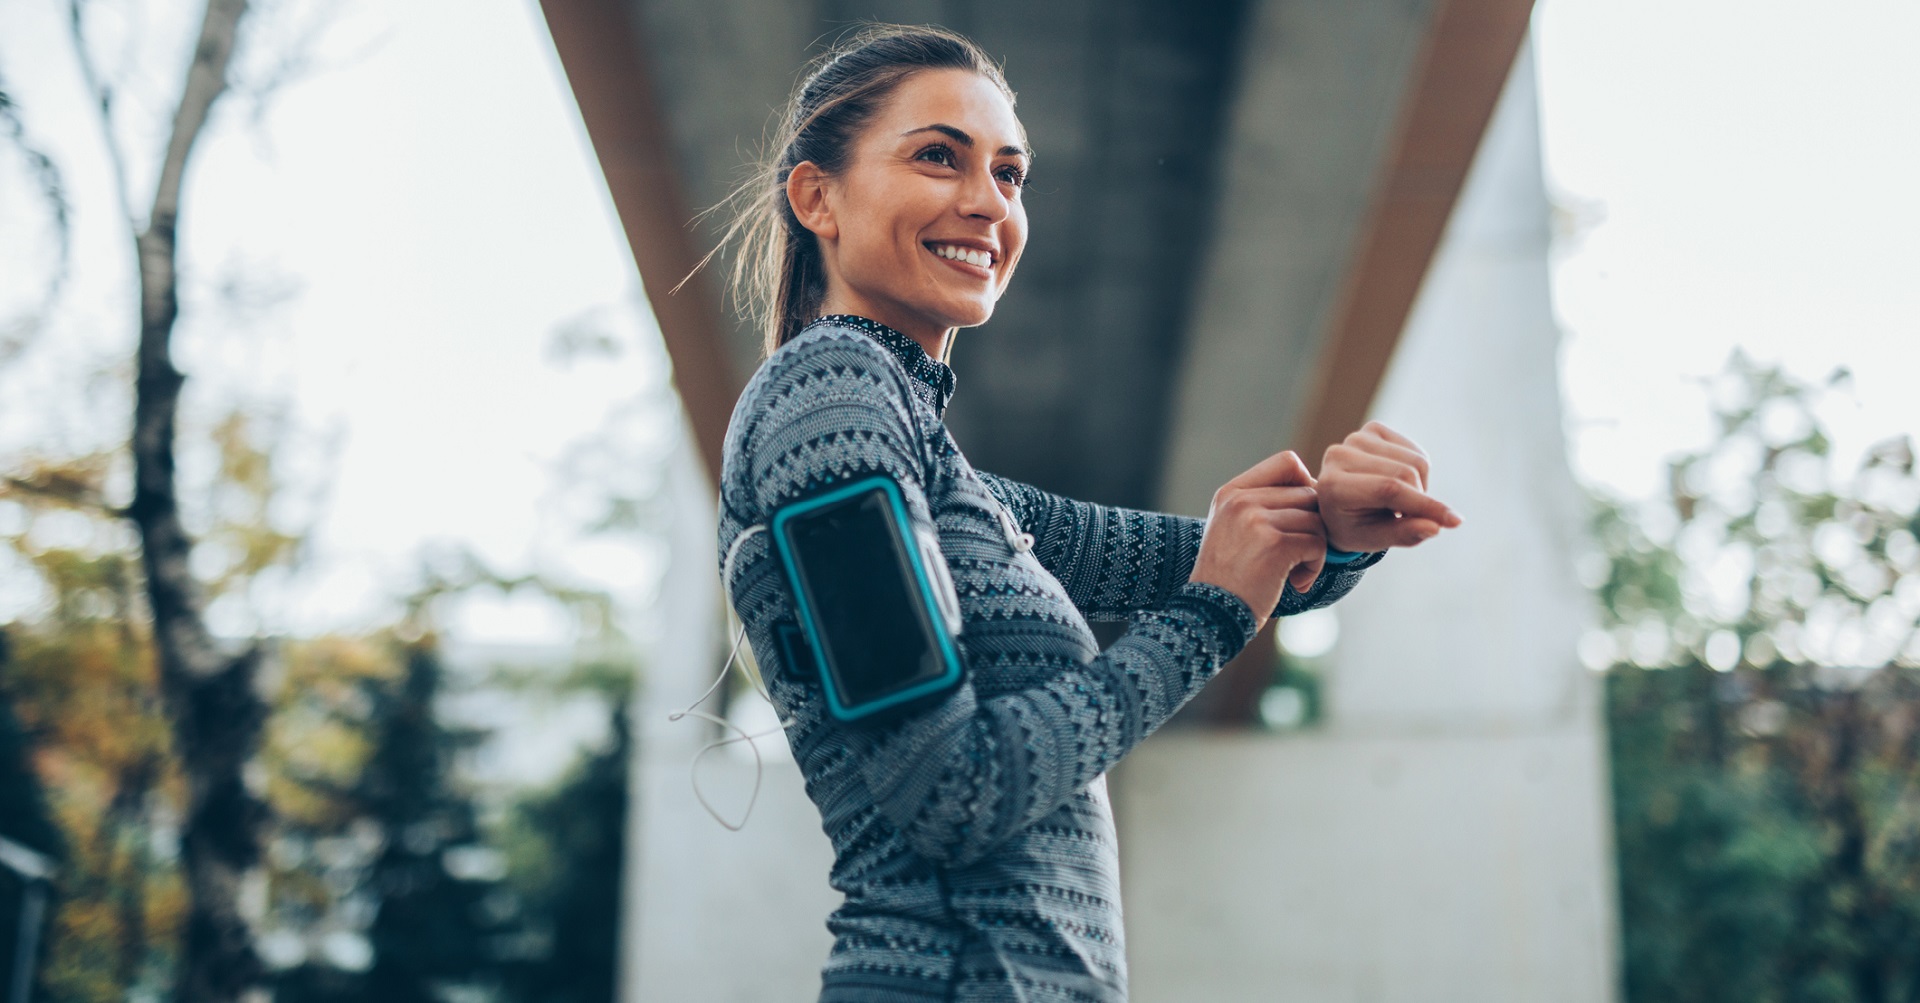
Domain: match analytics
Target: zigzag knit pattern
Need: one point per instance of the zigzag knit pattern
(974, 840)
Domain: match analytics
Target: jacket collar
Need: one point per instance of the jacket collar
(932, 380)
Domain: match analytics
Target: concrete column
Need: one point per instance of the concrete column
(1445, 834)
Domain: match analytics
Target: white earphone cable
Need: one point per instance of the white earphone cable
(753, 680)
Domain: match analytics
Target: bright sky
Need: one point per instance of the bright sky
(431, 200)
(1753, 163)
(432, 207)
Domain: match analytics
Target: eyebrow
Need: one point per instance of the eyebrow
(963, 139)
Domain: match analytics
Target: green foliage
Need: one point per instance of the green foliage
(1764, 713)
(431, 931)
(24, 822)
(359, 772)
(390, 849)
(24, 817)
(565, 857)
(82, 681)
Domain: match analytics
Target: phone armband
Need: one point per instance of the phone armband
(873, 597)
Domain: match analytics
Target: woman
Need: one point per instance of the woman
(973, 840)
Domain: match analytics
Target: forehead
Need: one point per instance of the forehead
(959, 98)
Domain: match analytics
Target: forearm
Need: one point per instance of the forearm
(1335, 581)
(960, 779)
(1114, 560)
(1111, 560)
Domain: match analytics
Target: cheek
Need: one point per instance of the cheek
(870, 219)
(1013, 237)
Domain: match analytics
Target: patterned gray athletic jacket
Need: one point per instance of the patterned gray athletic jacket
(974, 840)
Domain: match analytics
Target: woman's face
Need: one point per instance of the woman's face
(922, 229)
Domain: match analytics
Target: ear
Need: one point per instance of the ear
(807, 193)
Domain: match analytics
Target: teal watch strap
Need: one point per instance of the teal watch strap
(1337, 556)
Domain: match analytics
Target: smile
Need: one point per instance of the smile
(964, 255)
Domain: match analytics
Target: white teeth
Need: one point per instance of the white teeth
(981, 258)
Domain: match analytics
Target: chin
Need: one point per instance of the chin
(968, 314)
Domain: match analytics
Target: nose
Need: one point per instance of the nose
(981, 198)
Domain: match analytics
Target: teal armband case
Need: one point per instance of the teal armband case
(873, 599)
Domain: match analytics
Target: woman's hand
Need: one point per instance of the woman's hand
(1373, 493)
(1263, 531)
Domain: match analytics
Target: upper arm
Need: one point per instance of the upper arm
(835, 409)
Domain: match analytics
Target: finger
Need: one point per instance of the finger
(1374, 446)
(1284, 498)
(1298, 522)
(1402, 533)
(1303, 575)
(1353, 461)
(1413, 532)
(1308, 551)
(1387, 492)
(1380, 429)
(1284, 468)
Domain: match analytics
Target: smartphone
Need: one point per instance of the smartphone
(874, 599)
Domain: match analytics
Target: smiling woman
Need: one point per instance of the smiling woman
(972, 834)
(923, 186)
(898, 141)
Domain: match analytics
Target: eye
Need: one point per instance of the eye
(939, 153)
(1013, 175)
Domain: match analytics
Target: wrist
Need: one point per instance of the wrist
(1337, 551)
(1335, 555)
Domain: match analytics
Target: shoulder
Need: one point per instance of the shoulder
(826, 361)
(831, 341)
(830, 382)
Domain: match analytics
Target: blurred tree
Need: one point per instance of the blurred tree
(441, 902)
(349, 716)
(432, 930)
(42, 173)
(1764, 711)
(81, 681)
(23, 804)
(166, 769)
(24, 823)
(208, 691)
(565, 851)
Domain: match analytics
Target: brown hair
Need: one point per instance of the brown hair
(778, 278)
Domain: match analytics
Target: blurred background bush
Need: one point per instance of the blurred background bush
(1761, 632)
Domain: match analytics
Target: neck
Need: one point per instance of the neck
(934, 340)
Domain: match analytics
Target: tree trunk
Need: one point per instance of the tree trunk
(210, 694)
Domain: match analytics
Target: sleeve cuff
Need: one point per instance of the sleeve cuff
(1228, 614)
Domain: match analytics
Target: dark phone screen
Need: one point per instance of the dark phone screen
(866, 603)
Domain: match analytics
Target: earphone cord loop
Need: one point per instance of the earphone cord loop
(740, 734)
(693, 768)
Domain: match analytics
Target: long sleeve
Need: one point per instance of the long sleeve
(1114, 560)
(959, 779)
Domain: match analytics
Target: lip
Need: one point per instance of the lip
(971, 244)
